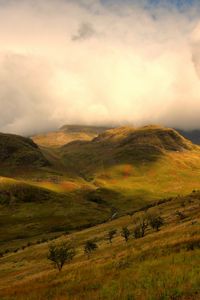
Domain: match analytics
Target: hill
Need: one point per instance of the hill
(67, 134)
(20, 151)
(137, 165)
(124, 145)
(113, 180)
(160, 265)
(29, 213)
(120, 170)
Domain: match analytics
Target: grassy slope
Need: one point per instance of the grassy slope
(67, 134)
(139, 165)
(29, 213)
(114, 186)
(162, 265)
(143, 146)
(20, 151)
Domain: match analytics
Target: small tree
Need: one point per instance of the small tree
(141, 226)
(125, 233)
(156, 222)
(90, 246)
(60, 254)
(111, 234)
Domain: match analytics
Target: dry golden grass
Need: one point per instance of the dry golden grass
(60, 138)
(162, 265)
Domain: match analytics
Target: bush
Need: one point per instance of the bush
(89, 247)
(61, 254)
(111, 234)
(192, 245)
(156, 222)
(137, 232)
(125, 233)
(141, 226)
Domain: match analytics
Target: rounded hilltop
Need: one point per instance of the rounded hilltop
(16, 150)
(162, 137)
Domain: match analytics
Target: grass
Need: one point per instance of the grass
(29, 213)
(79, 197)
(67, 134)
(20, 151)
(162, 265)
(85, 185)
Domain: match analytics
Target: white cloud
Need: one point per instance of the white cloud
(83, 62)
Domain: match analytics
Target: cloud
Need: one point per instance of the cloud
(98, 62)
(85, 31)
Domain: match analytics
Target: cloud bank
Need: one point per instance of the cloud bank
(98, 62)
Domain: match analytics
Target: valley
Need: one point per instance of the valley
(80, 190)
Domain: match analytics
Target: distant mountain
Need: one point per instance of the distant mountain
(16, 150)
(84, 128)
(67, 134)
(192, 135)
(123, 145)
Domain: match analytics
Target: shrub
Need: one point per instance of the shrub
(89, 247)
(125, 233)
(156, 222)
(137, 232)
(29, 244)
(61, 254)
(111, 234)
(141, 226)
(192, 245)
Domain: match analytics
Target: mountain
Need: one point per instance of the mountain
(67, 134)
(20, 151)
(118, 171)
(124, 145)
(133, 166)
(88, 188)
(192, 135)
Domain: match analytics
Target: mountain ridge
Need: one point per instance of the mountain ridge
(17, 150)
(124, 145)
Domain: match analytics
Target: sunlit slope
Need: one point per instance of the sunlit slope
(123, 145)
(67, 134)
(86, 183)
(29, 213)
(140, 164)
(161, 265)
(172, 174)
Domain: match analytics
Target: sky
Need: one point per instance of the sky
(99, 62)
